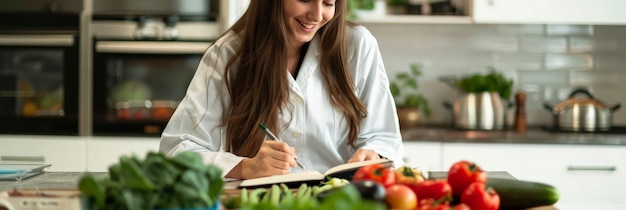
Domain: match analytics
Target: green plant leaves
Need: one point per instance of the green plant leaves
(182, 181)
(490, 82)
(405, 90)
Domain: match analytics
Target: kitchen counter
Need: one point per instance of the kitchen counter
(49, 180)
(69, 180)
(532, 136)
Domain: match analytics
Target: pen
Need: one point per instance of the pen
(273, 137)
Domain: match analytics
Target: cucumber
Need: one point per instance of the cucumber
(520, 194)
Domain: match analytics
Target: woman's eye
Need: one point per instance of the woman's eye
(330, 4)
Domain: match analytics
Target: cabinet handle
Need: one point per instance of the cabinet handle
(591, 168)
(23, 158)
(37, 40)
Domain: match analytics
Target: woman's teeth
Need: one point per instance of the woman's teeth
(307, 26)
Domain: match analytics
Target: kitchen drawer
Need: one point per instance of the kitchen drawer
(425, 156)
(105, 151)
(588, 172)
(65, 153)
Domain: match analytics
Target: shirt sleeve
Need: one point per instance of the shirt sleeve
(195, 125)
(380, 130)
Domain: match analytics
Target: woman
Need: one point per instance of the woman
(296, 66)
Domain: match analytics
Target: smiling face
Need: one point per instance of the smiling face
(304, 18)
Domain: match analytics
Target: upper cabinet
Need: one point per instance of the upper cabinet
(231, 11)
(597, 12)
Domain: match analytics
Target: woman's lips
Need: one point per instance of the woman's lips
(306, 27)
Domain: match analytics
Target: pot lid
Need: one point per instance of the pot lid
(587, 100)
(580, 102)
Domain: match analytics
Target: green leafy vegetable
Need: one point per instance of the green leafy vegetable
(279, 197)
(182, 181)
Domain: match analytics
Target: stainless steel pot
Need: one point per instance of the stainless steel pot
(582, 113)
(479, 111)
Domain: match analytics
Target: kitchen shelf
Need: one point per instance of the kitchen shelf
(417, 19)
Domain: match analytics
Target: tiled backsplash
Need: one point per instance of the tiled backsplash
(545, 61)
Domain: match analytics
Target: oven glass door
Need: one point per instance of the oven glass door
(38, 83)
(138, 84)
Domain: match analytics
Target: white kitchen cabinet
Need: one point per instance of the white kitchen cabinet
(425, 156)
(65, 153)
(580, 172)
(232, 11)
(549, 11)
(105, 151)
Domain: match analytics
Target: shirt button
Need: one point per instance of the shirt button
(296, 135)
(297, 100)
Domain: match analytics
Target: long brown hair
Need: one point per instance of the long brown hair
(260, 88)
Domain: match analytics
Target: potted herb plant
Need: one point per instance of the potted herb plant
(370, 8)
(409, 101)
(492, 81)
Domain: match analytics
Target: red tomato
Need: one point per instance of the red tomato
(400, 197)
(435, 189)
(461, 206)
(478, 196)
(376, 172)
(432, 204)
(462, 174)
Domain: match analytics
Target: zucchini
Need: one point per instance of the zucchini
(520, 194)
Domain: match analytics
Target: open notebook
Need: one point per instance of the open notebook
(294, 180)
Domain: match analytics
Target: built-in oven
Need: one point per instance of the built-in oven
(143, 61)
(39, 65)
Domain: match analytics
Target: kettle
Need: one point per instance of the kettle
(479, 111)
(582, 113)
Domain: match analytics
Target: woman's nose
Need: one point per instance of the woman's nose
(315, 13)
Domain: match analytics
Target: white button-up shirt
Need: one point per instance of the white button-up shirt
(316, 129)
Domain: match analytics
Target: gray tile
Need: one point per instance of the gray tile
(590, 44)
(553, 78)
(497, 43)
(529, 61)
(554, 94)
(608, 95)
(609, 31)
(569, 29)
(610, 61)
(596, 78)
(555, 61)
(520, 29)
(543, 44)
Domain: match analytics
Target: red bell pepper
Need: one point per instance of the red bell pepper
(376, 172)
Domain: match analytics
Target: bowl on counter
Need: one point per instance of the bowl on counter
(160, 110)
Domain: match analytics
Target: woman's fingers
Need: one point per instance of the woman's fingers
(363, 155)
(277, 155)
(280, 146)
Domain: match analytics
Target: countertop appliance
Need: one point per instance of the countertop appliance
(582, 113)
(145, 55)
(39, 58)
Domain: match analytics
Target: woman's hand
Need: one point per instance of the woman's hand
(273, 158)
(363, 155)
